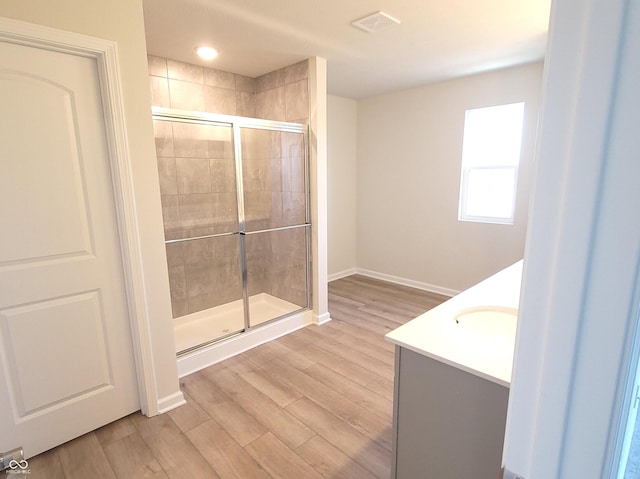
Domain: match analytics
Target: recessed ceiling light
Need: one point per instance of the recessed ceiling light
(206, 53)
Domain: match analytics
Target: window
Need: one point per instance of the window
(490, 158)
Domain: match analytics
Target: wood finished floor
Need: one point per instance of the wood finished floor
(314, 404)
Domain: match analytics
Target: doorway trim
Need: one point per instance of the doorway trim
(105, 54)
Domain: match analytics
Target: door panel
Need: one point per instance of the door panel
(66, 233)
(235, 209)
(197, 178)
(65, 342)
(275, 196)
(273, 170)
(277, 273)
(35, 385)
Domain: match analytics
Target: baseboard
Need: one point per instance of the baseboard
(407, 282)
(202, 358)
(170, 402)
(322, 319)
(342, 274)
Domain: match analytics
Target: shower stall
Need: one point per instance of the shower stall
(235, 203)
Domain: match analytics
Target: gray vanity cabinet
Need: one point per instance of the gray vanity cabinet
(447, 423)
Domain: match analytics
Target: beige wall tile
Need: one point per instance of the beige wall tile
(275, 174)
(193, 175)
(223, 176)
(219, 100)
(179, 307)
(220, 142)
(297, 100)
(293, 208)
(157, 66)
(276, 215)
(219, 78)
(177, 282)
(196, 210)
(292, 145)
(257, 205)
(293, 174)
(270, 80)
(225, 210)
(170, 213)
(199, 250)
(254, 143)
(270, 104)
(185, 71)
(296, 72)
(201, 278)
(175, 254)
(221, 149)
(167, 174)
(245, 84)
(159, 91)
(255, 174)
(190, 141)
(163, 133)
(230, 290)
(202, 302)
(186, 96)
(245, 104)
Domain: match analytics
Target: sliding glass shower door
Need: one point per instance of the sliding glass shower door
(275, 222)
(235, 210)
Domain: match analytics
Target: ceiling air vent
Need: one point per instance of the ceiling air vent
(375, 22)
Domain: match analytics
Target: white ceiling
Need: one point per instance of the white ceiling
(435, 40)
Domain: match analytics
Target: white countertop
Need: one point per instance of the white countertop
(484, 353)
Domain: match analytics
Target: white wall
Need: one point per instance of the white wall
(409, 147)
(342, 147)
(122, 21)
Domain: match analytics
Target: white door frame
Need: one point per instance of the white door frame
(106, 56)
(573, 368)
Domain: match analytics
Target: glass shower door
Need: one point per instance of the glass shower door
(275, 223)
(236, 222)
(197, 168)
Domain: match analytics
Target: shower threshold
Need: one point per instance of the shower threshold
(210, 324)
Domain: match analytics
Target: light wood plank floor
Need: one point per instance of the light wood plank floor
(314, 404)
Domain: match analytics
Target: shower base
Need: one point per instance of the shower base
(210, 324)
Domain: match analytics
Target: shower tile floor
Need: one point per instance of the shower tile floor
(208, 325)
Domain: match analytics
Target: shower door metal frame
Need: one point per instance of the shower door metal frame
(236, 123)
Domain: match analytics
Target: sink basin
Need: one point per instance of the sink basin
(492, 320)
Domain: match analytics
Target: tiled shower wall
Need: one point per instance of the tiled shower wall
(281, 95)
(197, 183)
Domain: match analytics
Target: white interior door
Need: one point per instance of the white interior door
(66, 355)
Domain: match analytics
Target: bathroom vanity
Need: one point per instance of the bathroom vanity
(452, 374)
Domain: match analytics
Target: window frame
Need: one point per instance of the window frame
(468, 167)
